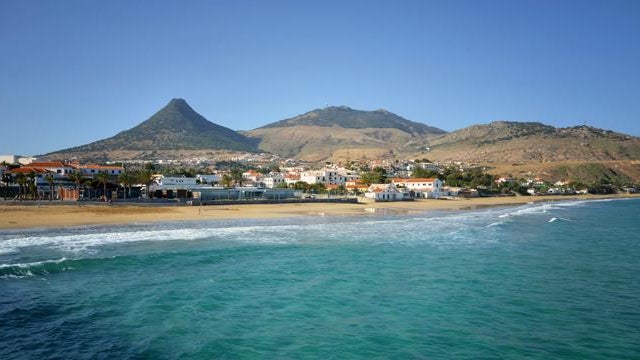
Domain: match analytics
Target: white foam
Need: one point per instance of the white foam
(418, 228)
(32, 264)
(84, 242)
(554, 219)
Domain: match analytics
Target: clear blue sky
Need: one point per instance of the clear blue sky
(72, 72)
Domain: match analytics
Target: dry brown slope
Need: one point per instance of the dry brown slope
(508, 142)
(319, 143)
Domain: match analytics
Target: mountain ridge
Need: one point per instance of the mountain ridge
(349, 118)
(508, 141)
(338, 133)
(174, 127)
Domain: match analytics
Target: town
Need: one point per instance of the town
(264, 177)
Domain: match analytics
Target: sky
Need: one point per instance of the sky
(77, 71)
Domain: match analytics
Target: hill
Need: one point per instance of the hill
(339, 132)
(175, 127)
(516, 142)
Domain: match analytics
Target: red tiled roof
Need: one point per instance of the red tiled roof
(48, 164)
(26, 170)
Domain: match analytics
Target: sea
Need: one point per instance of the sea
(556, 280)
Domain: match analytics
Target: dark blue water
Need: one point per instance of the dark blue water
(541, 281)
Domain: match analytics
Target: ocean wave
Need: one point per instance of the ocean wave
(554, 219)
(24, 270)
(417, 228)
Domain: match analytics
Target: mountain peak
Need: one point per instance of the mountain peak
(348, 118)
(175, 126)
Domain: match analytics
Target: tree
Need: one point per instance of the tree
(375, 176)
(33, 189)
(226, 180)
(301, 185)
(103, 178)
(236, 175)
(317, 188)
(52, 185)
(420, 172)
(126, 179)
(7, 180)
(88, 184)
(22, 180)
(145, 177)
(76, 178)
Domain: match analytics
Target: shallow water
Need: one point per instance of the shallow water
(543, 281)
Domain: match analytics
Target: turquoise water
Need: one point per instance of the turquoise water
(541, 281)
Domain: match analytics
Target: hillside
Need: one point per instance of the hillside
(515, 142)
(175, 127)
(339, 132)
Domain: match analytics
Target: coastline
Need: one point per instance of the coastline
(45, 215)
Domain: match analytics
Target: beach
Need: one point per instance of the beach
(55, 215)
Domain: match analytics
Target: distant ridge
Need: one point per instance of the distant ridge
(340, 132)
(348, 118)
(174, 127)
(514, 142)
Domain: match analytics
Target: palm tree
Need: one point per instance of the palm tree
(103, 178)
(145, 177)
(77, 178)
(7, 179)
(126, 179)
(21, 179)
(52, 185)
(88, 183)
(33, 188)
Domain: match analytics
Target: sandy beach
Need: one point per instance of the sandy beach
(45, 215)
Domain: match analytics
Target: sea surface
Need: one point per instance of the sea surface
(540, 281)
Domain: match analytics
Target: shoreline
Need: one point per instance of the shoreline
(45, 215)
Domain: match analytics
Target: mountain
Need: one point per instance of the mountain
(175, 127)
(515, 142)
(339, 132)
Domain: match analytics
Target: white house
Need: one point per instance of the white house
(291, 178)
(251, 175)
(57, 168)
(325, 177)
(428, 188)
(273, 180)
(385, 192)
(92, 170)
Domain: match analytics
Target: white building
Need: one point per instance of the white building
(428, 188)
(273, 180)
(57, 168)
(92, 170)
(252, 176)
(291, 179)
(325, 177)
(385, 192)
